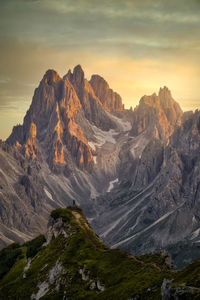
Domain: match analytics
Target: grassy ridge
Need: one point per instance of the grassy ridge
(77, 265)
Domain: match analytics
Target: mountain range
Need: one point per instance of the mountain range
(135, 173)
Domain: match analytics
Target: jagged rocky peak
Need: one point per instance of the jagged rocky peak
(51, 76)
(165, 93)
(77, 78)
(92, 106)
(78, 74)
(163, 100)
(51, 124)
(152, 101)
(171, 107)
(110, 100)
(187, 138)
(97, 88)
(99, 85)
(158, 113)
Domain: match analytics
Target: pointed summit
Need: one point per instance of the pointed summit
(52, 115)
(111, 101)
(51, 76)
(78, 68)
(100, 86)
(164, 93)
(158, 114)
(69, 75)
(78, 74)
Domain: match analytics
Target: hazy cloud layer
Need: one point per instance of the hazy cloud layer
(136, 45)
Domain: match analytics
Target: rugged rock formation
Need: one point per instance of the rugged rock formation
(90, 102)
(53, 147)
(53, 114)
(54, 122)
(23, 204)
(159, 114)
(159, 206)
(111, 101)
(134, 173)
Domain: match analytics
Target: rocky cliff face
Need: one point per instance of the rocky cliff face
(134, 173)
(52, 116)
(91, 103)
(58, 142)
(159, 205)
(159, 114)
(57, 120)
(111, 101)
(24, 206)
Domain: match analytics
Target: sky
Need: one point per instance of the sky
(138, 46)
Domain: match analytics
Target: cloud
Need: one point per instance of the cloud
(136, 45)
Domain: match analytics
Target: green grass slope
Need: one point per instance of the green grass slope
(75, 264)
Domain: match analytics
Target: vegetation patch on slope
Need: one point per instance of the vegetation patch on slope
(75, 264)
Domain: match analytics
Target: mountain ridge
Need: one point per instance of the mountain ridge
(74, 263)
(130, 171)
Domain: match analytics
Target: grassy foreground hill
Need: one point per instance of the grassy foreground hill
(72, 263)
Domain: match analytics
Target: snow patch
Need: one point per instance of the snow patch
(102, 137)
(126, 126)
(95, 159)
(92, 145)
(111, 184)
(48, 194)
(195, 234)
(194, 220)
(123, 125)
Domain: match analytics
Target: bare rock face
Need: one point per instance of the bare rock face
(168, 259)
(60, 117)
(149, 164)
(52, 154)
(30, 147)
(134, 173)
(111, 101)
(159, 114)
(22, 213)
(91, 104)
(55, 228)
(51, 123)
(159, 204)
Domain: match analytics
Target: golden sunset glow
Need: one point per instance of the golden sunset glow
(137, 46)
